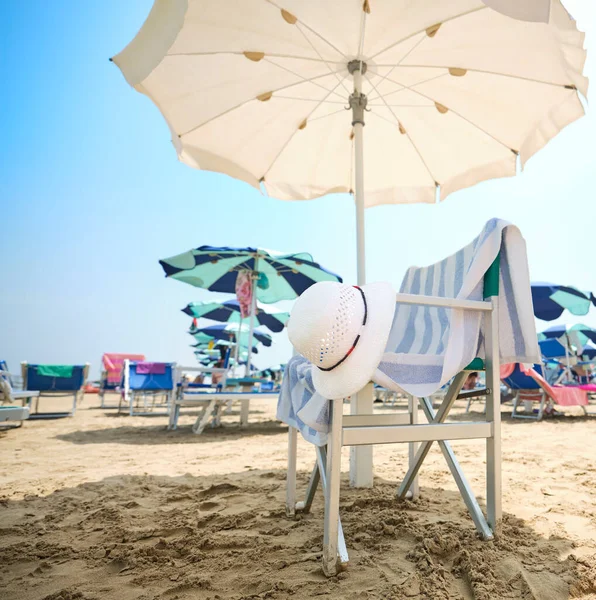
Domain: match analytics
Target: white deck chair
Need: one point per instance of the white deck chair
(9, 411)
(358, 430)
(212, 401)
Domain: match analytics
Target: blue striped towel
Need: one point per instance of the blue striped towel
(300, 406)
(427, 346)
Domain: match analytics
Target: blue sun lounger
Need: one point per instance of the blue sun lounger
(54, 381)
(142, 380)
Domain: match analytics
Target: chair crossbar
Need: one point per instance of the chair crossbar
(365, 436)
(375, 420)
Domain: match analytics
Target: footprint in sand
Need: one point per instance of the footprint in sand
(210, 506)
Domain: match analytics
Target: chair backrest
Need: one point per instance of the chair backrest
(150, 376)
(5, 373)
(54, 378)
(520, 381)
(5, 386)
(113, 364)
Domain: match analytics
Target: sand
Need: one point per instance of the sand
(102, 506)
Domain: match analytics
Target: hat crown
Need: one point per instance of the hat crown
(325, 322)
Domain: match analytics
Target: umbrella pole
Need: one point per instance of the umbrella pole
(253, 308)
(237, 348)
(361, 457)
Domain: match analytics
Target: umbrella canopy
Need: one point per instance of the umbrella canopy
(577, 335)
(278, 276)
(551, 348)
(453, 91)
(229, 312)
(589, 352)
(550, 300)
(229, 333)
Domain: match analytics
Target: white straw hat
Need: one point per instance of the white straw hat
(342, 330)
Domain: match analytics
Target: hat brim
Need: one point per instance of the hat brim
(357, 370)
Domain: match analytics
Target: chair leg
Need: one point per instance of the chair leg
(542, 406)
(291, 475)
(515, 405)
(493, 415)
(311, 490)
(202, 421)
(173, 419)
(413, 447)
(244, 410)
(333, 472)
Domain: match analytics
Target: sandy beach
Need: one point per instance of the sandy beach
(102, 506)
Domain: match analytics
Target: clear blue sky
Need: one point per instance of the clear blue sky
(92, 195)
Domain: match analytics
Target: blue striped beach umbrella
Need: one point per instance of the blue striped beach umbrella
(229, 333)
(550, 300)
(277, 276)
(274, 276)
(229, 312)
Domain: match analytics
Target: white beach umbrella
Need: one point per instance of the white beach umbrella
(451, 92)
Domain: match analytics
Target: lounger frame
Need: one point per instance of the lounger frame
(212, 402)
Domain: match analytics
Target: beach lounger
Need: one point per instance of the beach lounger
(530, 387)
(506, 308)
(212, 399)
(151, 383)
(17, 395)
(111, 376)
(54, 381)
(9, 410)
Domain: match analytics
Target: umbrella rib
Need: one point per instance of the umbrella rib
(319, 55)
(464, 14)
(302, 78)
(313, 32)
(268, 54)
(341, 110)
(455, 112)
(484, 71)
(406, 87)
(296, 131)
(312, 100)
(407, 134)
(362, 32)
(398, 63)
(229, 110)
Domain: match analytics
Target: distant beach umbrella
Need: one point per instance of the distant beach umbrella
(589, 352)
(275, 276)
(230, 333)
(551, 300)
(576, 335)
(229, 312)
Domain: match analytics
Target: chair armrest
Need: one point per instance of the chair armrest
(420, 300)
